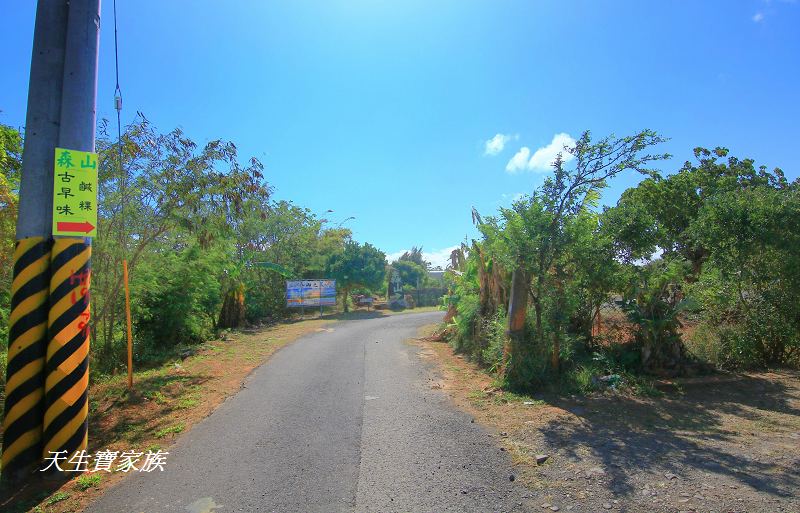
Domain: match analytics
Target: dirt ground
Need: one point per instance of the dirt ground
(722, 443)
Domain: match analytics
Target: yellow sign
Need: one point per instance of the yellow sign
(75, 193)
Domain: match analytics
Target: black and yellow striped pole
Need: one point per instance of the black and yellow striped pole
(67, 364)
(27, 342)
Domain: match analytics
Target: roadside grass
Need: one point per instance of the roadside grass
(165, 401)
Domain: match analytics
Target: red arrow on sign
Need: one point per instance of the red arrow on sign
(84, 227)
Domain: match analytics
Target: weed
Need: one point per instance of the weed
(188, 402)
(57, 497)
(583, 379)
(161, 433)
(477, 395)
(87, 481)
(512, 397)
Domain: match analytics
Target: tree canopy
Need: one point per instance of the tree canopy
(357, 266)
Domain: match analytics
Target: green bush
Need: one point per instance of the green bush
(495, 333)
(178, 301)
(466, 324)
(746, 323)
(265, 296)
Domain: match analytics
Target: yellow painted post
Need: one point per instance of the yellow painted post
(128, 320)
(27, 343)
(67, 365)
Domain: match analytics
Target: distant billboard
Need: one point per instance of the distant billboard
(310, 293)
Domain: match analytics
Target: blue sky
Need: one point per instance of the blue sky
(382, 110)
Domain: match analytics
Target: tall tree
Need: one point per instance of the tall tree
(177, 195)
(534, 233)
(415, 255)
(662, 213)
(410, 272)
(357, 266)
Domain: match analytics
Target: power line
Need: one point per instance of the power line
(118, 106)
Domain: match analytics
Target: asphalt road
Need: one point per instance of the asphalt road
(339, 421)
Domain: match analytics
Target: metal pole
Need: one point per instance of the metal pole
(27, 340)
(67, 364)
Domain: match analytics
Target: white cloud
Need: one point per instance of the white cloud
(519, 161)
(391, 257)
(439, 257)
(759, 17)
(497, 143)
(542, 159)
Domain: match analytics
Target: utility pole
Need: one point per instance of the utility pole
(67, 364)
(27, 339)
(40, 377)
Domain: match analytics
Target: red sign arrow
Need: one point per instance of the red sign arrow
(84, 227)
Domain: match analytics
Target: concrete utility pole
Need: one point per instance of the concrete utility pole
(46, 402)
(79, 99)
(67, 365)
(43, 120)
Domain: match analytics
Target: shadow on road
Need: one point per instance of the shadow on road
(23, 495)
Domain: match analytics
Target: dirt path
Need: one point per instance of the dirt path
(715, 444)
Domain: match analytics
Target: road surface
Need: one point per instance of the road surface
(339, 421)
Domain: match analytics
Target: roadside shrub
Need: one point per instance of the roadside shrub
(582, 376)
(265, 296)
(746, 324)
(495, 332)
(178, 302)
(749, 344)
(653, 303)
(706, 344)
(466, 324)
